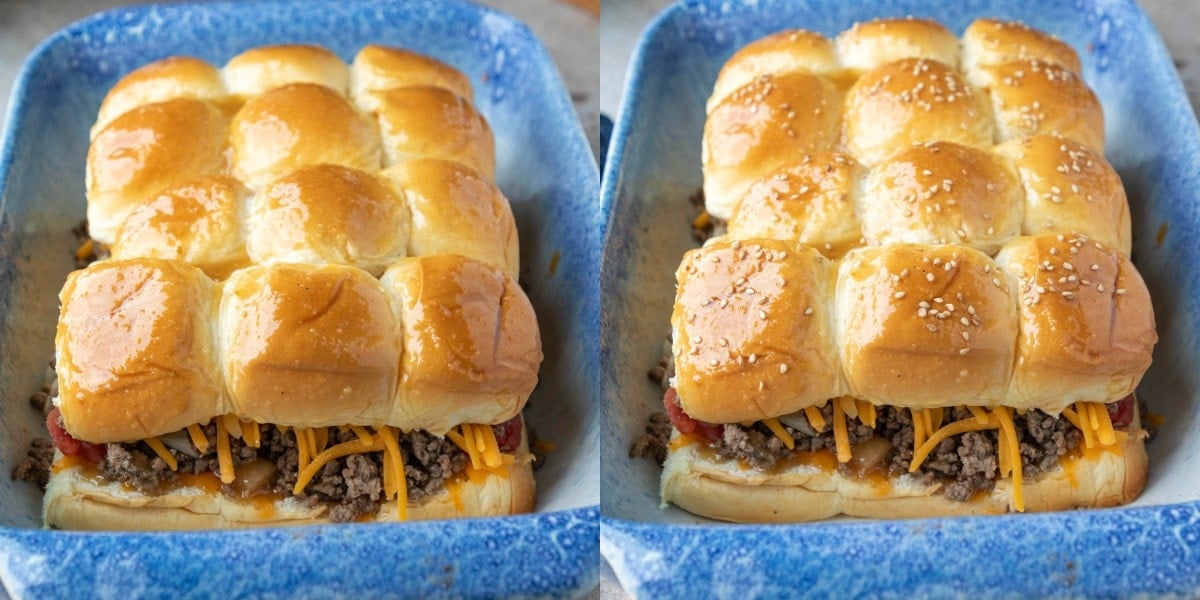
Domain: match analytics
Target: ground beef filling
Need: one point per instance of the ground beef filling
(352, 485)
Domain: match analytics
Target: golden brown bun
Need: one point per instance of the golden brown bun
(135, 354)
(308, 346)
(869, 45)
(777, 54)
(913, 100)
(942, 192)
(1033, 96)
(1069, 188)
(146, 150)
(475, 364)
(198, 222)
(296, 125)
(328, 214)
(379, 68)
(456, 210)
(74, 500)
(723, 490)
(431, 122)
(260, 69)
(167, 79)
(811, 202)
(1086, 324)
(753, 332)
(925, 326)
(993, 42)
(771, 122)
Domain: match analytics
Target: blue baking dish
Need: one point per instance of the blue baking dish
(1151, 547)
(544, 167)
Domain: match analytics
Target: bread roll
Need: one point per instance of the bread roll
(328, 214)
(135, 354)
(943, 193)
(793, 51)
(811, 202)
(75, 500)
(995, 42)
(309, 346)
(258, 70)
(1032, 96)
(456, 210)
(925, 326)
(869, 45)
(1086, 324)
(1069, 188)
(771, 122)
(199, 222)
(753, 331)
(431, 122)
(477, 363)
(167, 79)
(913, 100)
(704, 485)
(378, 68)
(296, 125)
(146, 150)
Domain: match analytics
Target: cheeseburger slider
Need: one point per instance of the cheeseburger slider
(922, 303)
(309, 312)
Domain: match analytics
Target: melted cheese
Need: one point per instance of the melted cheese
(815, 418)
(199, 440)
(338, 451)
(780, 432)
(250, 433)
(841, 437)
(395, 460)
(161, 450)
(1013, 449)
(224, 456)
(922, 452)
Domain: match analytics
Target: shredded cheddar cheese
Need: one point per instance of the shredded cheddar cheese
(841, 437)
(780, 432)
(302, 455)
(161, 450)
(364, 436)
(338, 451)
(491, 450)
(866, 412)
(224, 456)
(233, 426)
(1013, 449)
(393, 459)
(198, 438)
(922, 452)
(321, 438)
(918, 428)
(815, 418)
(250, 433)
(979, 414)
(702, 220)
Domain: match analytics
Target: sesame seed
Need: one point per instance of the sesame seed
(713, 362)
(929, 277)
(966, 335)
(922, 312)
(964, 351)
(970, 309)
(899, 295)
(808, 311)
(753, 358)
(1099, 287)
(965, 322)
(762, 314)
(723, 342)
(783, 368)
(923, 304)
(1120, 291)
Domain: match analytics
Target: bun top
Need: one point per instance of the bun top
(911, 101)
(793, 51)
(994, 42)
(866, 46)
(175, 77)
(752, 331)
(134, 351)
(378, 68)
(258, 70)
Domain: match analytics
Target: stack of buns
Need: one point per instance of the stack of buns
(915, 223)
(300, 243)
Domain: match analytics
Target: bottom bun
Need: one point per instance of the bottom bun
(698, 482)
(75, 500)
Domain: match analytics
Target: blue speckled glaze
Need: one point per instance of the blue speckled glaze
(543, 166)
(1151, 547)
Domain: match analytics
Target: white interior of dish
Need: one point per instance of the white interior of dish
(661, 170)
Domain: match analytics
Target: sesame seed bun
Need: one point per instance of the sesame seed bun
(1087, 327)
(753, 331)
(872, 44)
(925, 326)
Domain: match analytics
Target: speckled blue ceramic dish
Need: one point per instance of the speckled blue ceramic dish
(544, 167)
(1152, 547)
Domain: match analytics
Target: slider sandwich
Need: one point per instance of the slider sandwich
(310, 311)
(922, 302)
